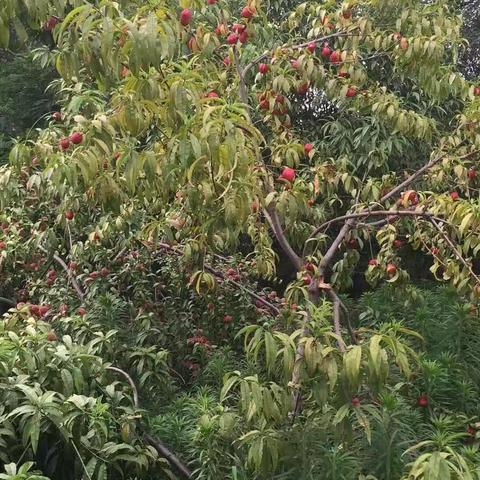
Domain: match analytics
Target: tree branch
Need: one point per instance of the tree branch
(130, 381)
(274, 309)
(70, 276)
(166, 453)
(272, 217)
(8, 302)
(242, 90)
(455, 250)
(293, 47)
(380, 213)
(327, 258)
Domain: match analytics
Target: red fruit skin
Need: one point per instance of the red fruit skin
(263, 68)
(93, 275)
(104, 272)
(232, 39)
(72, 265)
(210, 307)
(295, 64)
(472, 174)
(434, 251)
(57, 116)
(391, 269)
(311, 47)
(243, 37)
(3, 245)
(310, 202)
(353, 243)
(212, 94)
(351, 92)
(76, 138)
(64, 143)
(334, 57)
(69, 215)
(227, 61)
(52, 336)
(34, 309)
(454, 196)
(355, 402)
(227, 319)
(264, 104)
(185, 16)
(247, 12)
(51, 23)
(307, 148)
(211, 2)
(238, 27)
(476, 91)
(398, 243)
(81, 311)
(288, 174)
(326, 52)
(422, 401)
(303, 88)
(307, 280)
(310, 267)
(43, 310)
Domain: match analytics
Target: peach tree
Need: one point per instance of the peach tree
(331, 136)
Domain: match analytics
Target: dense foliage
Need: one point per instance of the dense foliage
(178, 244)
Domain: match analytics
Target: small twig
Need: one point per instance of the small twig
(455, 250)
(388, 213)
(130, 381)
(71, 277)
(293, 47)
(254, 295)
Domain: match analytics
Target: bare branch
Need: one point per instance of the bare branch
(272, 217)
(130, 381)
(8, 302)
(172, 458)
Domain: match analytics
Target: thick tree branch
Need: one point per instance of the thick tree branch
(166, 453)
(8, 302)
(344, 231)
(272, 217)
